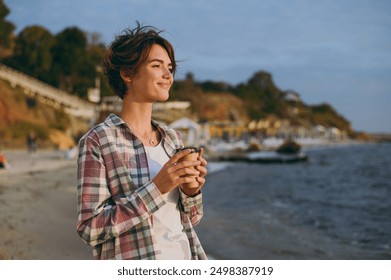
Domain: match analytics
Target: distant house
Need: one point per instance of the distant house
(333, 133)
(291, 95)
(189, 130)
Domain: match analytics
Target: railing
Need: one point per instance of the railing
(50, 95)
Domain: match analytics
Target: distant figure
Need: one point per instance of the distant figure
(32, 142)
(3, 161)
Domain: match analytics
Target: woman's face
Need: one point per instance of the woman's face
(153, 79)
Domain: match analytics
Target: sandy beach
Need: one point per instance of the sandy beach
(39, 213)
(38, 208)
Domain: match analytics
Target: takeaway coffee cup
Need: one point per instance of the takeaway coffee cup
(195, 152)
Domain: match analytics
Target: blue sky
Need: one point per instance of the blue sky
(334, 51)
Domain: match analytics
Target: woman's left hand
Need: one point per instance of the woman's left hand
(200, 178)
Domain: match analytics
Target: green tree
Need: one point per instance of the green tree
(95, 48)
(216, 86)
(6, 28)
(261, 96)
(73, 68)
(96, 51)
(32, 54)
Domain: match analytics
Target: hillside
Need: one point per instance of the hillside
(208, 105)
(257, 99)
(20, 114)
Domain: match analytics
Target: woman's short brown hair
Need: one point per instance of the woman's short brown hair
(129, 50)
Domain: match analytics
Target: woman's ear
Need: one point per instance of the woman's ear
(125, 76)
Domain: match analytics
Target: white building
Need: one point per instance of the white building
(190, 130)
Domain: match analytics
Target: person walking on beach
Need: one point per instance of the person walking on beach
(133, 202)
(31, 142)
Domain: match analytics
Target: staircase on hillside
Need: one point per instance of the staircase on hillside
(50, 95)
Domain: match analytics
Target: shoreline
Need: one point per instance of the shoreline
(38, 198)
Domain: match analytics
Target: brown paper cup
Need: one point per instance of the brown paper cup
(190, 157)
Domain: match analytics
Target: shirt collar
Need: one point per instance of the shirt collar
(114, 120)
(167, 134)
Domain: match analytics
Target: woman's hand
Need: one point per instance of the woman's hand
(175, 173)
(201, 168)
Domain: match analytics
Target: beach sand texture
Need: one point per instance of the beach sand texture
(38, 208)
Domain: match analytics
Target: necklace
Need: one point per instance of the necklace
(150, 141)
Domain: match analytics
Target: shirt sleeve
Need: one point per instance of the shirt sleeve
(100, 216)
(192, 206)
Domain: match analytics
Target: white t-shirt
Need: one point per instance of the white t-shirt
(172, 241)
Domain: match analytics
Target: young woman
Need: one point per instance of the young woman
(133, 202)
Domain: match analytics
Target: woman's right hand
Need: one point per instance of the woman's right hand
(175, 173)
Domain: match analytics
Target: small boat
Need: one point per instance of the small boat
(264, 157)
(289, 147)
(275, 157)
(288, 152)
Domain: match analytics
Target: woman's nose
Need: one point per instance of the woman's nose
(167, 73)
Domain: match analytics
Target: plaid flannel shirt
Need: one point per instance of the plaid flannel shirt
(116, 197)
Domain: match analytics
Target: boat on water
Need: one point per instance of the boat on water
(288, 152)
(264, 157)
(276, 157)
(289, 147)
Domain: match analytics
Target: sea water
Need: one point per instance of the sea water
(337, 205)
